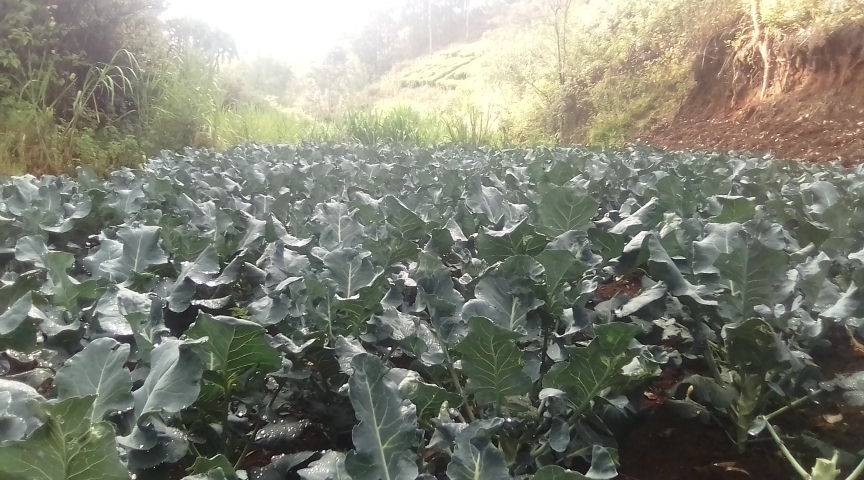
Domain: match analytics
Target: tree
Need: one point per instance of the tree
(377, 46)
(560, 11)
(466, 11)
(190, 35)
(429, 23)
(763, 44)
(332, 82)
(269, 76)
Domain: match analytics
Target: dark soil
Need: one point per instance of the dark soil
(815, 114)
(823, 137)
(667, 447)
(845, 355)
(629, 285)
(829, 420)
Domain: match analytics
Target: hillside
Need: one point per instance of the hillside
(449, 249)
(675, 74)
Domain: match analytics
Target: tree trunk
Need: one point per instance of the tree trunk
(429, 23)
(763, 44)
(466, 8)
(561, 11)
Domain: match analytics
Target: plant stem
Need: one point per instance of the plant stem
(280, 384)
(792, 405)
(453, 375)
(547, 334)
(461, 391)
(242, 454)
(786, 453)
(712, 362)
(194, 449)
(859, 470)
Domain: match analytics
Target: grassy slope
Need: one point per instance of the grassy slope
(631, 64)
(510, 71)
(463, 77)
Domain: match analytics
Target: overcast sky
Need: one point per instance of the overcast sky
(299, 31)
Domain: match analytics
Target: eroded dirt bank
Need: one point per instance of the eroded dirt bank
(810, 106)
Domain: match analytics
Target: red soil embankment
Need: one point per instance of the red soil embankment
(813, 108)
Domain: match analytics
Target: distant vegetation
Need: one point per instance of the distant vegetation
(106, 83)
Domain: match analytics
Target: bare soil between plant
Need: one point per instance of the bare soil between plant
(810, 109)
(834, 133)
(665, 446)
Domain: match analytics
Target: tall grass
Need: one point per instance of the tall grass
(35, 138)
(473, 128)
(262, 124)
(468, 127)
(401, 125)
(183, 103)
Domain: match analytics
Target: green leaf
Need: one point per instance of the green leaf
(404, 220)
(141, 250)
(561, 267)
(850, 304)
(751, 275)
(502, 300)
(562, 209)
(428, 397)
(234, 346)
(607, 245)
(595, 370)
(554, 472)
(338, 228)
(66, 291)
(638, 220)
(675, 197)
(520, 239)
(602, 464)
(31, 249)
(734, 209)
(66, 447)
(647, 297)
(219, 463)
(853, 389)
(392, 249)
(492, 362)
(814, 282)
(16, 314)
(331, 466)
(281, 265)
(488, 201)
(283, 466)
(20, 407)
(25, 283)
(752, 345)
(646, 246)
(351, 269)
(720, 238)
(205, 266)
(435, 290)
(98, 370)
(386, 437)
(173, 382)
(475, 456)
(100, 262)
(392, 323)
(215, 474)
(282, 435)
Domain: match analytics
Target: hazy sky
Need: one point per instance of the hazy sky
(298, 31)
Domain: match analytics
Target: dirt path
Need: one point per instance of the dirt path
(797, 130)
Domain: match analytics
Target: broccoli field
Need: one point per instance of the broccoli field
(338, 312)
